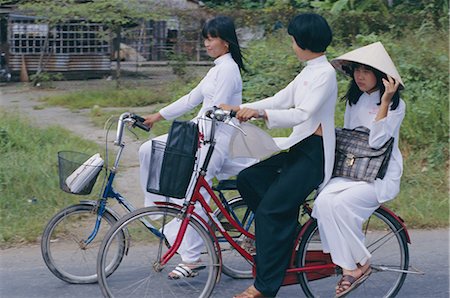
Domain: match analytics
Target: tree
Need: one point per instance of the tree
(49, 13)
(113, 14)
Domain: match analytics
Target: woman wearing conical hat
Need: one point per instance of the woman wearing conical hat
(342, 206)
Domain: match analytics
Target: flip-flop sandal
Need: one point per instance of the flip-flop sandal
(183, 271)
(250, 292)
(352, 282)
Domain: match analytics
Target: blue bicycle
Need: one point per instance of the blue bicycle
(71, 239)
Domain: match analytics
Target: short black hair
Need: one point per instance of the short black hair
(311, 31)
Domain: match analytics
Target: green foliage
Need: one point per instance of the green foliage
(44, 79)
(29, 184)
(271, 65)
(337, 6)
(112, 13)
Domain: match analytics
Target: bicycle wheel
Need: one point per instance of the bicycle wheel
(63, 248)
(233, 263)
(140, 273)
(386, 241)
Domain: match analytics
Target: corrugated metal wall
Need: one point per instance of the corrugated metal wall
(61, 62)
(71, 47)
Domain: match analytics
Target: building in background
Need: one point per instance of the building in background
(85, 50)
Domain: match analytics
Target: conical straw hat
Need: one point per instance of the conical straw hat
(373, 55)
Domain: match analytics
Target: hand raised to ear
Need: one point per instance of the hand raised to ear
(390, 86)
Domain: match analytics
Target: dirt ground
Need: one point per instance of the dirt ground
(23, 99)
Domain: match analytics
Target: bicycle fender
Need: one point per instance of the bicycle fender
(398, 219)
(299, 237)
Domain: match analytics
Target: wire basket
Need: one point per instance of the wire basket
(170, 171)
(78, 172)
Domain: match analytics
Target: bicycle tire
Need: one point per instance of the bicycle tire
(234, 264)
(387, 242)
(139, 274)
(61, 239)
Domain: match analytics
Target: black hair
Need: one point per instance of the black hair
(311, 31)
(223, 27)
(353, 92)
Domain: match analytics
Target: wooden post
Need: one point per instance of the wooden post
(24, 71)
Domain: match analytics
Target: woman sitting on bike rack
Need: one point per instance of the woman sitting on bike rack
(221, 85)
(343, 204)
(276, 187)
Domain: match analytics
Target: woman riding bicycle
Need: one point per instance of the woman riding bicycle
(343, 204)
(276, 187)
(221, 85)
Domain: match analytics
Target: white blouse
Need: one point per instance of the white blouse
(222, 84)
(307, 102)
(363, 113)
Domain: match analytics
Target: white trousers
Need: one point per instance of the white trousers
(341, 209)
(220, 165)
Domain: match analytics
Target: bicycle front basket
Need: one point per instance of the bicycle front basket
(170, 171)
(78, 172)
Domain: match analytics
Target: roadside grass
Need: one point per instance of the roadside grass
(29, 185)
(109, 97)
(423, 201)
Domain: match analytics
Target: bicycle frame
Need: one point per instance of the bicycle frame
(109, 191)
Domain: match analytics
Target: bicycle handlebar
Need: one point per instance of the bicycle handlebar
(135, 120)
(220, 114)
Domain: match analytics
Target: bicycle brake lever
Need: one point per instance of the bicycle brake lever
(229, 122)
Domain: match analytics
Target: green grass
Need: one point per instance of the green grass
(110, 97)
(29, 184)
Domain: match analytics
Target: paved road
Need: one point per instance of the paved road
(23, 273)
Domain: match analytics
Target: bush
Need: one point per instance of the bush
(44, 79)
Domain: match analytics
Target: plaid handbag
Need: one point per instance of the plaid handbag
(355, 159)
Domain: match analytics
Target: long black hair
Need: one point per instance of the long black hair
(223, 27)
(353, 92)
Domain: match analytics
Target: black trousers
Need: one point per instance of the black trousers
(274, 189)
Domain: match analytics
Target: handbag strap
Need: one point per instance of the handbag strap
(362, 128)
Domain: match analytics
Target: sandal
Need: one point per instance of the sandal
(250, 292)
(348, 283)
(185, 270)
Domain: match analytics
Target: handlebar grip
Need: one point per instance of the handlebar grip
(138, 118)
(142, 126)
(233, 114)
(139, 122)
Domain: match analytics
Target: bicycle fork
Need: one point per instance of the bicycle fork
(99, 210)
(162, 260)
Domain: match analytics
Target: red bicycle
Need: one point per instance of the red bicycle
(227, 236)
